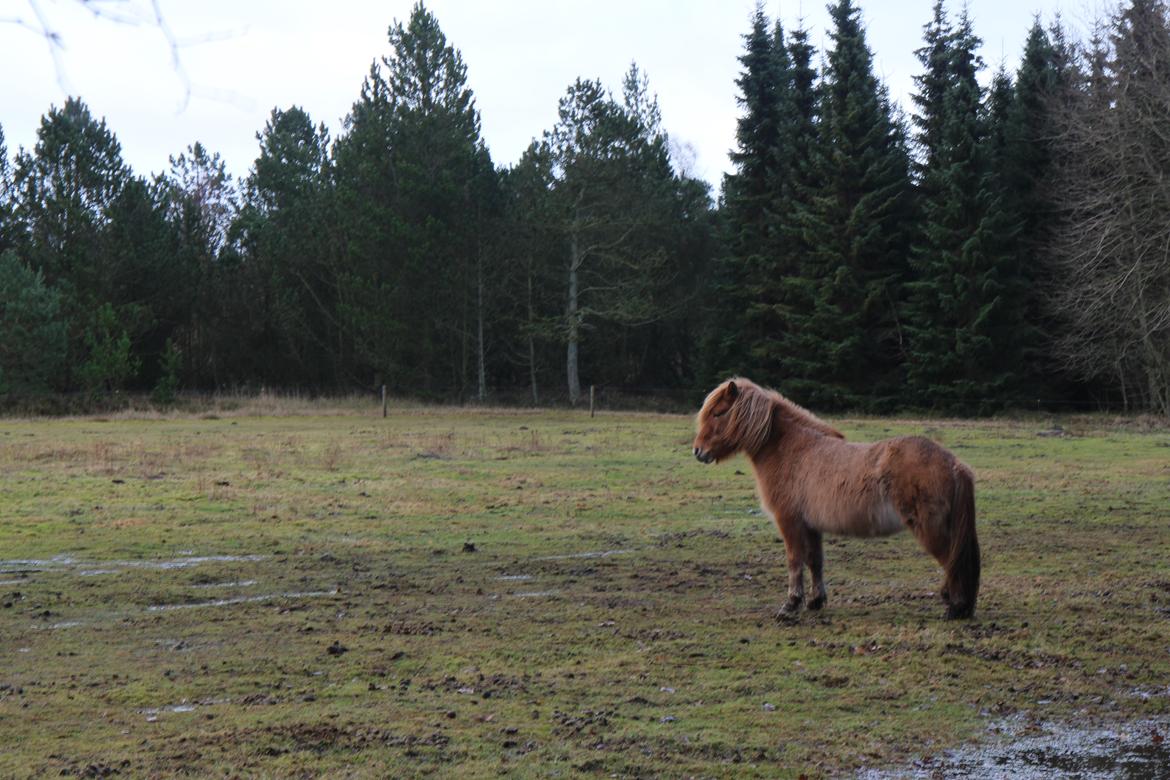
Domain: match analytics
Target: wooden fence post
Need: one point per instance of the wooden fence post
(383, 400)
(591, 399)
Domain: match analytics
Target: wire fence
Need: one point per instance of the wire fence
(593, 399)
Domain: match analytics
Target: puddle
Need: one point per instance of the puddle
(237, 584)
(514, 577)
(535, 594)
(183, 563)
(68, 562)
(1134, 751)
(153, 713)
(599, 554)
(62, 624)
(240, 600)
(13, 582)
(43, 563)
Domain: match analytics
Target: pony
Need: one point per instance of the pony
(812, 482)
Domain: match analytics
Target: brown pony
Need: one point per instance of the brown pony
(811, 481)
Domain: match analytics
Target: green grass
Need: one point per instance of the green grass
(658, 658)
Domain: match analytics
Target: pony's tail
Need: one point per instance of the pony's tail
(962, 580)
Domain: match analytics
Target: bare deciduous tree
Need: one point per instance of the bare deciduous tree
(148, 14)
(1111, 254)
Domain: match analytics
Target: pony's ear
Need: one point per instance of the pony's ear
(732, 390)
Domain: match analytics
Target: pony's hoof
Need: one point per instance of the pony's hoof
(816, 604)
(789, 612)
(960, 611)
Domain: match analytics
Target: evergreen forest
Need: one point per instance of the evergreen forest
(1001, 241)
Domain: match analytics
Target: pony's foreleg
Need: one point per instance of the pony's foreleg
(795, 545)
(816, 567)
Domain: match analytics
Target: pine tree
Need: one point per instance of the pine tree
(758, 158)
(649, 343)
(32, 352)
(110, 364)
(611, 175)
(415, 191)
(803, 101)
(844, 347)
(288, 317)
(65, 189)
(64, 186)
(201, 203)
(533, 320)
(1030, 127)
(150, 292)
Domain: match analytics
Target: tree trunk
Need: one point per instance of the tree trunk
(532, 340)
(572, 316)
(479, 324)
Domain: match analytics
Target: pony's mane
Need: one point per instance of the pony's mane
(753, 412)
(796, 413)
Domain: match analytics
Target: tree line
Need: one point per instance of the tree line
(1000, 244)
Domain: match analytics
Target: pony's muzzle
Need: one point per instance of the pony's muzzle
(703, 457)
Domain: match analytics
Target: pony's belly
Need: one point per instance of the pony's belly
(881, 520)
(886, 520)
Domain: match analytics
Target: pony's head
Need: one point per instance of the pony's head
(736, 417)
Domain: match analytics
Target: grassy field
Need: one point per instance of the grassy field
(541, 594)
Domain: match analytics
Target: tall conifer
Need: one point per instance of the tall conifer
(750, 195)
(853, 222)
(963, 309)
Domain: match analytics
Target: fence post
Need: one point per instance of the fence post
(591, 389)
(383, 400)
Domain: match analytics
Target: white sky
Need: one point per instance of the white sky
(244, 57)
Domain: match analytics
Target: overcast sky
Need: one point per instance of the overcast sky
(244, 57)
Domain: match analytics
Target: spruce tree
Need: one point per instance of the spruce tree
(962, 313)
(783, 289)
(1000, 105)
(750, 195)
(8, 225)
(845, 345)
(1028, 159)
(750, 191)
(933, 84)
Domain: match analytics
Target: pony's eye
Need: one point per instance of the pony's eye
(719, 414)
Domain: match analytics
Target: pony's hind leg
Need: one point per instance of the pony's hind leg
(816, 567)
(928, 522)
(957, 552)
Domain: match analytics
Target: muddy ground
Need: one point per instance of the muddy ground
(546, 595)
